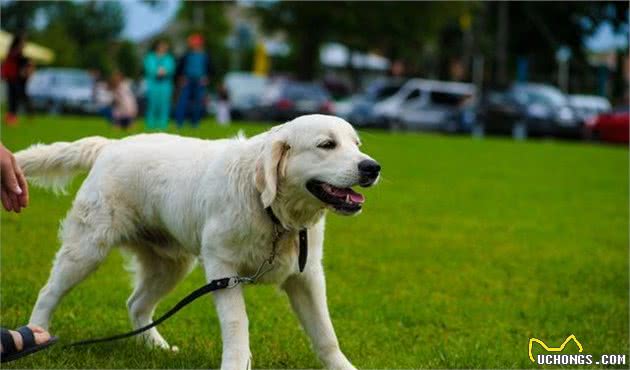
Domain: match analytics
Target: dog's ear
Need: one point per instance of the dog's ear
(270, 168)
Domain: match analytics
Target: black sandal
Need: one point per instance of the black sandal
(11, 353)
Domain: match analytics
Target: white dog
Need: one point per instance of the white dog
(173, 200)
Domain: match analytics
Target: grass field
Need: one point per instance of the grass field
(465, 250)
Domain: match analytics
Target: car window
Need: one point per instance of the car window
(448, 99)
(39, 80)
(414, 94)
(545, 95)
(75, 79)
(386, 92)
(70, 79)
(298, 91)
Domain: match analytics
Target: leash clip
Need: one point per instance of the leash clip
(234, 281)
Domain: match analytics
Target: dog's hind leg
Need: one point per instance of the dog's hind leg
(84, 247)
(155, 277)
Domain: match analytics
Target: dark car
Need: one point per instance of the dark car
(529, 110)
(613, 127)
(285, 100)
(362, 113)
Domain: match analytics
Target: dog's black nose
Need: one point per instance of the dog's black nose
(368, 172)
(369, 167)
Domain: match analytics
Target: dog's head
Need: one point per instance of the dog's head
(315, 161)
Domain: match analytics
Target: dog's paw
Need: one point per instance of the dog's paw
(338, 361)
(236, 362)
(152, 340)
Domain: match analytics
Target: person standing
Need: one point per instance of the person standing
(159, 67)
(16, 69)
(193, 75)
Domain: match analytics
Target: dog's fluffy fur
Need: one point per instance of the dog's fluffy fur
(173, 200)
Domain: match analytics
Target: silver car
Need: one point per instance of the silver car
(438, 106)
(59, 90)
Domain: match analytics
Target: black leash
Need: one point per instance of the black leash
(217, 284)
(211, 286)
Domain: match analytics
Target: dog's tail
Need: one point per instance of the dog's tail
(54, 165)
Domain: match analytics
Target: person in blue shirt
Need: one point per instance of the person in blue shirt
(159, 67)
(193, 75)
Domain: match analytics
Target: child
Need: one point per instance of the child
(125, 108)
(223, 107)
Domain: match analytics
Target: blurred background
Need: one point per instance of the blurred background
(521, 69)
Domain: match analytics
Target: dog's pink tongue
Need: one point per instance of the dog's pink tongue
(346, 193)
(355, 197)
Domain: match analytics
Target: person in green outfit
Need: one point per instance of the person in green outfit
(159, 66)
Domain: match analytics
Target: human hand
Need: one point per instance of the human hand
(14, 191)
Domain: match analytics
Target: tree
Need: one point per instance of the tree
(307, 25)
(80, 33)
(127, 59)
(538, 29)
(20, 16)
(397, 29)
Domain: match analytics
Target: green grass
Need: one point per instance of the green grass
(465, 250)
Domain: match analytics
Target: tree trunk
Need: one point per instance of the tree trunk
(308, 58)
(502, 41)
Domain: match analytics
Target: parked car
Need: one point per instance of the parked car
(611, 127)
(441, 106)
(245, 90)
(284, 100)
(361, 112)
(529, 109)
(587, 107)
(62, 90)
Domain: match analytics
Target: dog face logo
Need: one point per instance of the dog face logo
(553, 349)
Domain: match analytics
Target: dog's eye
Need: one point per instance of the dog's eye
(328, 145)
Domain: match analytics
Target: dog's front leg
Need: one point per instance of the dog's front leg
(230, 305)
(307, 292)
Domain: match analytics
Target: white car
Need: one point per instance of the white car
(421, 95)
(245, 91)
(62, 89)
(587, 107)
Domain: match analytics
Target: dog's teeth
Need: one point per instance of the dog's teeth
(348, 198)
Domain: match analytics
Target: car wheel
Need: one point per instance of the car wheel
(451, 127)
(478, 131)
(595, 136)
(519, 131)
(396, 126)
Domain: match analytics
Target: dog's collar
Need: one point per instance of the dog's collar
(302, 238)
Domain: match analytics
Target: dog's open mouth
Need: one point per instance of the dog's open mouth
(344, 200)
